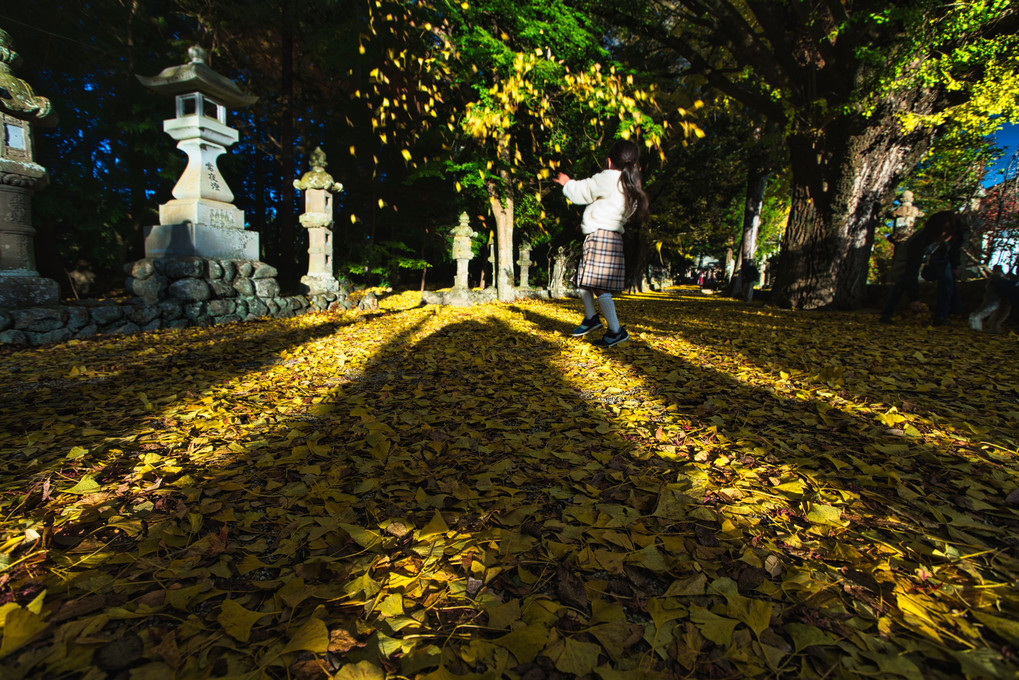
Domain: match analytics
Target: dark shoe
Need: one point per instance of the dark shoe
(586, 326)
(885, 319)
(610, 338)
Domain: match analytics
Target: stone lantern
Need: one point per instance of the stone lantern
(201, 220)
(462, 252)
(903, 218)
(318, 187)
(524, 263)
(20, 177)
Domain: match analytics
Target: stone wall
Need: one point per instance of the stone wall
(169, 294)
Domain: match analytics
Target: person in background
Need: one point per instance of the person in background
(614, 197)
(937, 249)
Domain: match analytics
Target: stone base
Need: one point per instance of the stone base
(200, 240)
(533, 293)
(27, 291)
(318, 284)
(459, 297)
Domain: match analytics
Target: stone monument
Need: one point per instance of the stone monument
(491, 258)
(20, 177)
(318, 187)
(524, 263)
(461, 295)
(557, 283)
(201, 220)
(462, 252)
(904, 218)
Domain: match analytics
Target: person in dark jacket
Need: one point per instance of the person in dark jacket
(937, 248)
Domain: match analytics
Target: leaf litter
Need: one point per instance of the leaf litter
(441, 493)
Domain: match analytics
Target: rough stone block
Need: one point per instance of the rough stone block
(272, 305)
(105, 315)
(257, 307)
(13, 337)
(242, 307)
(142, 314)
(77, 318)
(87, 331)
(192, 290)
(176, 323)
(215, 270)
(151, 290)
(267, 288)
(245, 269)
(5, 321)
(184, 268)
(39, 319)
(58, 335)
(264, 271)
(123, 328)
(194, 310)
(220, 308)
(169, 310)
(141, 269)
(222, 289)
(228, 318)
(27, 291)
(244, 287)
(153, 325)
(229, 270)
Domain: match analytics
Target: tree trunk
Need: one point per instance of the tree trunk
(286, 217)
(843, 178)
(500, 196)
(638, 276)
(757, 181)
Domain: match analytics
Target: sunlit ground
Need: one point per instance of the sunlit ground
(438, 492)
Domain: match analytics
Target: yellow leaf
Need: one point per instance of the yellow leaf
(85, 485)
(313, 636)
(237, 621)
(20, 627)
(362, 670)
(716, 628)
(578, 658)
(436, 525)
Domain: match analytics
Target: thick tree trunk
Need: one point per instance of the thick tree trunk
(500, 196)
(843, 178)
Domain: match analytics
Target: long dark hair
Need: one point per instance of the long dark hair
(625, 157)
(939, 224)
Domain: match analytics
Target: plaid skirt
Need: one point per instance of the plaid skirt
(602, 265)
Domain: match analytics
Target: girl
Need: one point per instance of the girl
(613, 197)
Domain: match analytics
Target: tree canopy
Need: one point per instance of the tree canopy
(427, 109)
(859, 90)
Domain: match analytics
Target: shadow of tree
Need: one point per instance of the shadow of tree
(471, 492)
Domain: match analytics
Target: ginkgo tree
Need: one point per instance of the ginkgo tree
(538, 88)
(513, 87)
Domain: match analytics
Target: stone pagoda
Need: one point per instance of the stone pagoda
(20, 177)
(318, 187)
(201, 220)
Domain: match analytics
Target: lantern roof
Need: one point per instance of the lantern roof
(17, 97)
(197, 76)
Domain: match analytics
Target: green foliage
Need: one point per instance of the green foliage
(380, 263)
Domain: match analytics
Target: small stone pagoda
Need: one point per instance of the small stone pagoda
(20, 177)
(318, 187)
(201, 220)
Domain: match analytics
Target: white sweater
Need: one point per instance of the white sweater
(604, 198)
